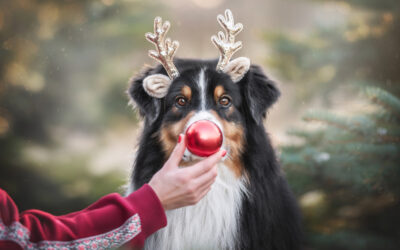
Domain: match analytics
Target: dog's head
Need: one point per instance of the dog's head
(201, 92)
(230, 94)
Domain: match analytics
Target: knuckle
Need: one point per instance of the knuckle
(214, 173)
(192, 190)
(182, 179)
(207, 166)
(200, 164)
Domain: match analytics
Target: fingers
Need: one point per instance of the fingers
(206, 179)
(206, 164)
(177, 154)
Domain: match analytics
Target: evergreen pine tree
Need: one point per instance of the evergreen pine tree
(347, 172)
(344, 163)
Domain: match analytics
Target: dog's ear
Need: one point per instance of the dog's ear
(146, 99)
(237, 68)
(259, 91)
(156, 85)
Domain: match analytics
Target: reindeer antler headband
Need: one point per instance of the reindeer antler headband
(165, 48)
(226, 42)
(157, 85)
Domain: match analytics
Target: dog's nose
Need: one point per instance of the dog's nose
(203, 138)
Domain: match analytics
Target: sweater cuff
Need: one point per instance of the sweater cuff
(150, 210)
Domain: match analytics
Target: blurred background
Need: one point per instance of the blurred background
(68, 135)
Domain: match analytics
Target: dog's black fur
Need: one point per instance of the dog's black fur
(270, 218)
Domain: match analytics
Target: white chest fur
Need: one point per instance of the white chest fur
(210, 224)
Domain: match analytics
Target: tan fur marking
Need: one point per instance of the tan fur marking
(169, 134)
(188, 163)
(187, 92)
(233, 134)
(218, 92)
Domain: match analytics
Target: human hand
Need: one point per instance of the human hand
(178, 187)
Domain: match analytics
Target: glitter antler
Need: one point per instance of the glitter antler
(165, 48)
(226, 42)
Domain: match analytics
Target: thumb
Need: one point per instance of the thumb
(177, 153)
(207, 164)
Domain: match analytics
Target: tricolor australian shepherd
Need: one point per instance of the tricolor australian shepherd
(250, 205)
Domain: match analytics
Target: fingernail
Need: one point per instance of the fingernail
(179, 138)
(223, 153)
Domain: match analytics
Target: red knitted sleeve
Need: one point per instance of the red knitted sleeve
(110, 222)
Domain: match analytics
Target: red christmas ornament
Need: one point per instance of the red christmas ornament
(203, 138)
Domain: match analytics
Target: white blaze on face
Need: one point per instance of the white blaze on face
(203, 114)
(202, 87)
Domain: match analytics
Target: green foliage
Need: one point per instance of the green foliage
(370, 4)
(357, 156)
(345, 163)
(384, 99)
(348, 144)
(364, 49)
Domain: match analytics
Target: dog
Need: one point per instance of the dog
(250, 205)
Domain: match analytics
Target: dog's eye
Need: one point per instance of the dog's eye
(180, 101)
(225, 101)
